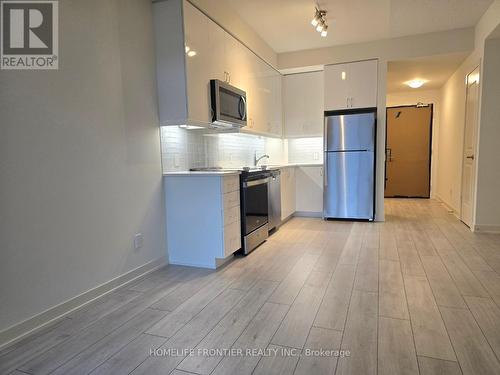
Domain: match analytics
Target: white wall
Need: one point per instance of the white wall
(488, 164)
(428, 97)
(422, 45)
(451, 135)
(487, 213)
(80, 160)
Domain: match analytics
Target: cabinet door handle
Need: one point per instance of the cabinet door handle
(347, 102)
(352, 100)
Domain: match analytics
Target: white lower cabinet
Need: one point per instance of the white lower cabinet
(287, 192)
(309, 190)
(203, 218)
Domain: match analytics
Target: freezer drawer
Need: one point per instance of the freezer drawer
(349, 185)
(350, 132)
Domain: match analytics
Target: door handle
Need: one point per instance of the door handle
(470, 157)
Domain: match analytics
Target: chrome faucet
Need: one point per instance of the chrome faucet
(256, 160)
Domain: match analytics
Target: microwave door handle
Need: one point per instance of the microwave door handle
(242, 108)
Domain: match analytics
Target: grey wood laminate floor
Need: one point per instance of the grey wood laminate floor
(418, 294)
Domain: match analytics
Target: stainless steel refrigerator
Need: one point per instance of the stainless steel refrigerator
(349, 178)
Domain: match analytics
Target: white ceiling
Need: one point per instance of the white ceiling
(285, 24)
(436, 70)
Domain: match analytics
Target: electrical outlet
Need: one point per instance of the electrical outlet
(176, 160)
(316, 156)
(138, 241)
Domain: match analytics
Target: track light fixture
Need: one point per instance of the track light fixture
(319, 22)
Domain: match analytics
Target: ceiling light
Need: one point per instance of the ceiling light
(187, 49)
(319, 22)
(415, 83)
(315, 20)
(191, 53)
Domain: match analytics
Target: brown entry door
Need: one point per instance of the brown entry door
(408, 153)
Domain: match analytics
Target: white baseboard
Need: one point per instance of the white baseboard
(308, 214)
(39, 321)
(211, 266)
(485, 228)
(450, 208)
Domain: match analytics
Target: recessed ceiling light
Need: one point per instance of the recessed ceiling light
(415, 83)
(191, 53)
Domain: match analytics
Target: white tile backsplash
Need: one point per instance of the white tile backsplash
(305, 150)
(183, 149)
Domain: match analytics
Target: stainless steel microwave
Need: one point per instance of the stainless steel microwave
(229, 105)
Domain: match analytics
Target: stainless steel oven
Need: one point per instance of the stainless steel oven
(229, 105)
(254, 209)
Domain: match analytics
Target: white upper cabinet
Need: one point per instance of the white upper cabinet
(198, 66)
(216, 62)
(191, 50)
(303, 100)
(351, 85)
(265, 109)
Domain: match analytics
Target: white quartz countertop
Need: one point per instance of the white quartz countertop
(234, 172)
(200, 173)
(295, 165)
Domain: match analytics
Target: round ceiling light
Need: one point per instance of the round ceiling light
(416, 83)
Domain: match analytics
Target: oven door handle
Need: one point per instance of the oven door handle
(262, 181)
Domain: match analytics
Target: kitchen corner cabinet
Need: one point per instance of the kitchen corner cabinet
(191, 50)
(287, 192)
(303, 100)
(351, 85)
(203, 230)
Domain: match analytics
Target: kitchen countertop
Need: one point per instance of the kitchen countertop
(234, 172)
(201, 173)
(295, 165)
